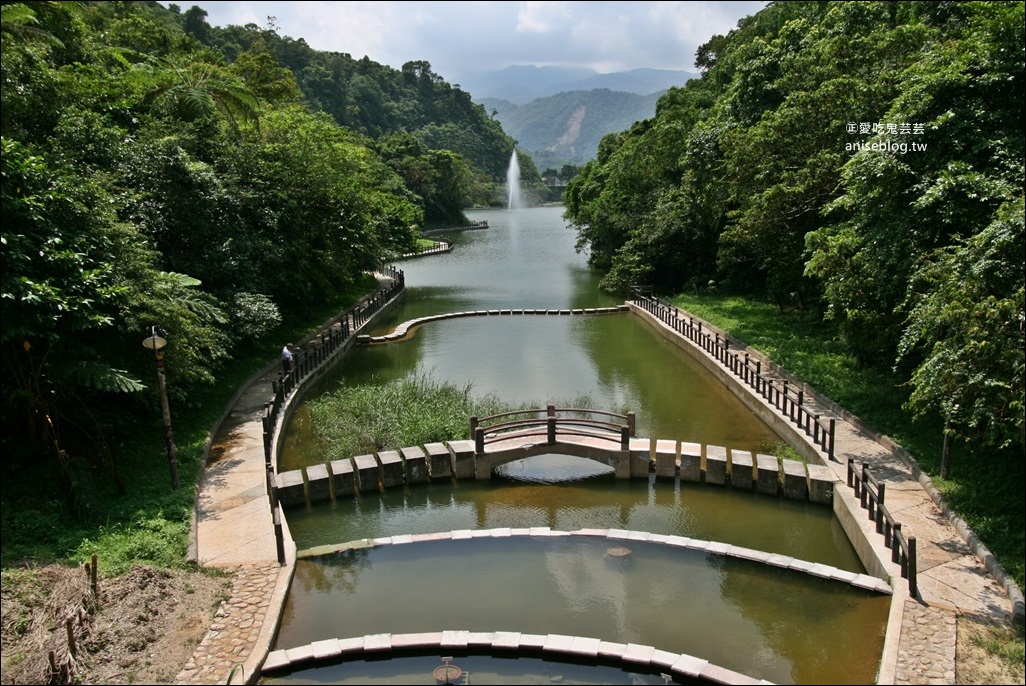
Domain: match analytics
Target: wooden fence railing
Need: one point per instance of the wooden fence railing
(871, 492)
(317, 352)
(778, 393)
(547, 422)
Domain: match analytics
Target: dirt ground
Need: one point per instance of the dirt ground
(143, 627)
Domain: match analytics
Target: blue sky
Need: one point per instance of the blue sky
(461, 39)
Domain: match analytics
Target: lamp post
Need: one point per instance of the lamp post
(156, 341)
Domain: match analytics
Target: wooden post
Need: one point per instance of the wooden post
(913, 584)
(864, 479)
(945, 465)
(69, 626)
(92, 577)
(279, 536)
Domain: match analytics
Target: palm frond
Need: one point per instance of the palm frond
(175, 285)
(98, 376)
(18, 20)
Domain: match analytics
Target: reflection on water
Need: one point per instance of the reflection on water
(527, 260)
(552, 469)
(711, 513)
(773, 624)
(765, 622)
(480, 670)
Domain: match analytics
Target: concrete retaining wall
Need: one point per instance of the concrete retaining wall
(667, 459)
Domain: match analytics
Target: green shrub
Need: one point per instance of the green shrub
(148, 540)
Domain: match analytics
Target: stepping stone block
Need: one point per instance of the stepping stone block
(640, 460)
(439, 461)
(690, 462)
(741, 470)
(715, 465)
(318, 483)
(343, 483)
(391, 468)
(768, 474)
(366, 473)
(796, 483)
(415, 462)
(666, 459)
(822, 481)
(463, 459)
(291, 489)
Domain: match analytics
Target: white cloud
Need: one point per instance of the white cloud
(463, 38)
(542, 17)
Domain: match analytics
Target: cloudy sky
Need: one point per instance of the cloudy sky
(461, 39)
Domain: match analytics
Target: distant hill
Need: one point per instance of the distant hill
(566, 128)
(522, 84)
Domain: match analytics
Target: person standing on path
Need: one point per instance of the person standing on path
(287, 357)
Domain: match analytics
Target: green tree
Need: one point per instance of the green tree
(966, 317)
(62, 288)
(897, 204)
(197, 91)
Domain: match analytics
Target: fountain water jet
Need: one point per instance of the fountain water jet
(514, 200)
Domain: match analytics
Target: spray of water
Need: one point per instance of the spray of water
(514, 201)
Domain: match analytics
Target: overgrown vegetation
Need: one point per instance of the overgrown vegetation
(853, 172)
(161, 173)
(145, 523)
(413, 410)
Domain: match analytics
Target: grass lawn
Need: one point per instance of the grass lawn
(985, 486)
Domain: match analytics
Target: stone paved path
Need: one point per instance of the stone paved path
(235, 633)
(234, 530)
(927, 650)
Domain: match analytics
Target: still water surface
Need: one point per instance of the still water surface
(777, 625)
(527, 260)
(774, 624)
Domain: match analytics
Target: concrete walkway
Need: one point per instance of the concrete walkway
(234, 531)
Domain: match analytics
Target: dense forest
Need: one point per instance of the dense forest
(858, 163)
(213, 182)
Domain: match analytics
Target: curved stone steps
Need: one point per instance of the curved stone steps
(405, 330)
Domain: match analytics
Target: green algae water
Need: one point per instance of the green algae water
(777, 625)
(526, 260)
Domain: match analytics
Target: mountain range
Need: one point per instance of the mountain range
(522, 84)
(559, 115)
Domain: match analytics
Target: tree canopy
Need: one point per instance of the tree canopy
(160, 172)
(860, 161)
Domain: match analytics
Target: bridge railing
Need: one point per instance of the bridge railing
(581, 422)
(777, 392)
